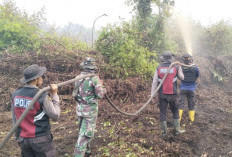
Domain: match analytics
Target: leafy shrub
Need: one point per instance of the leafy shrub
(18, 31)
(126, 57)
(52, 42)
(217, 38)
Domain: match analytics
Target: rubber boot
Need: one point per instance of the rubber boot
(176, 123)
(180, 114)
(191, 116)
(164, 128)
(87, 154)
(88, 150)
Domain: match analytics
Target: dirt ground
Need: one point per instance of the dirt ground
(126, 136)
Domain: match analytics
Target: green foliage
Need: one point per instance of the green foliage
(52, 42)
(159, 32)
(214, 39)
(217, 38)
(151, 27)
(143, 12)
(126, 57)
(143, 8)
(18, 31)
(159, 40)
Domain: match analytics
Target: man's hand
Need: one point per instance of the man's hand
(54, 89)
(177, 62)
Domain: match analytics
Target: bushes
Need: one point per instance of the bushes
(21, 33)
(217, 38)
(125, 56)
(52, 42)
(18, 31)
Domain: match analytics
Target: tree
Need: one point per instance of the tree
(217, 38)
(152, 26)
(120, 48)
(18, 30)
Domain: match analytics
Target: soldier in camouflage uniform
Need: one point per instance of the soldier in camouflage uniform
(86, 93)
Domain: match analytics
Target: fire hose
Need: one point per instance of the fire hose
(72, 81)
(149, 100)
(32, 103)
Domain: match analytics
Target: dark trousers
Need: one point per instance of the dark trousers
(164, 100)
(37, 147)
(189, 96)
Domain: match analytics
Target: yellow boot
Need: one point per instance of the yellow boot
(191, 116)
(180, 114)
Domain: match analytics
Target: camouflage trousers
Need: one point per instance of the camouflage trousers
(87, 126)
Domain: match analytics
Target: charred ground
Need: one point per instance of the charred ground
(118, 135)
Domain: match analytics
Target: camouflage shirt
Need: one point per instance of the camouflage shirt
(86, 95)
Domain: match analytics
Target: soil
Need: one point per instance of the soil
(118, 135)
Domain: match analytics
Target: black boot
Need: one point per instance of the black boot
(176, 123)
(87, 154)
(88, 151)
(164, 128)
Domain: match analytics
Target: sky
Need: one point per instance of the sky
(85, 12)
(206, 11)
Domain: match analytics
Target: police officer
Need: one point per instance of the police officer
(168, 91)
(188, 87)
(33, 134)
(86, 93)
